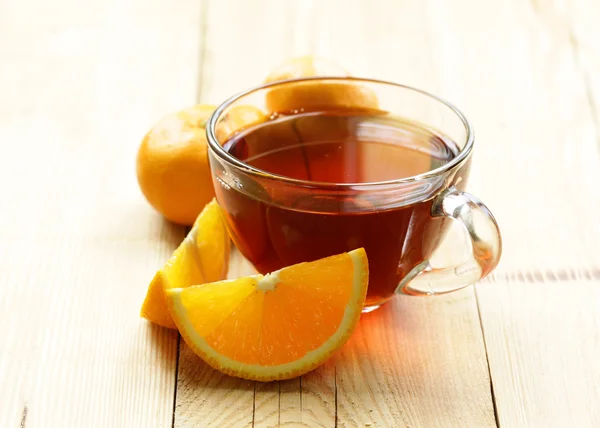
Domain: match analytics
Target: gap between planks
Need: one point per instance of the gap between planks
(487, 357)
(176, 378)
(585, 77)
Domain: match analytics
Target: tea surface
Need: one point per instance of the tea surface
(334, 147)
(337, 148)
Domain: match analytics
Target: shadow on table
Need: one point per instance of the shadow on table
(420, 353)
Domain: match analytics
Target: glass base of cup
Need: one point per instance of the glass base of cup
(370, 308)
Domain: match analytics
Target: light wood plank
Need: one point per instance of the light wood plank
(206, 397)
(385, 39)
(583, 17)
(511, 68)
(319, 396)
(245, 40)
(266, 405)
(308, 401)
(538, 169)
(290, 403)
(543, 344)
(532, 100)
(81, 84)
(416, 362)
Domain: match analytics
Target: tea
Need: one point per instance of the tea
(336, 147)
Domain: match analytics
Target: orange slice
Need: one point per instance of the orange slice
(203, 256)
(276, 326)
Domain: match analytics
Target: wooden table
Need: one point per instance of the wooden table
(80, 83)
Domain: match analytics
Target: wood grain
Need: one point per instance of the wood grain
(243, 41)
(80, 85)
(207, 398)
(307, 401)
(538, 170)
(584, 34)
(543, 346)
(416, 362)
(319, 396)
(535, 163)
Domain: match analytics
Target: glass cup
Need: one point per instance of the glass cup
(276, 220)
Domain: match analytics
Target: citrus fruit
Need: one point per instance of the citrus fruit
(305, 66)
(172, 165)
(310, 96)
(203, 256)
(237, 119)
(315, 95)
(276, 326)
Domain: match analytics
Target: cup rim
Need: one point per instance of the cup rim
(217, 149)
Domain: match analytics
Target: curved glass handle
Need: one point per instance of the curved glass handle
(483, 230)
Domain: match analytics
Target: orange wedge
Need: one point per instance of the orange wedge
(203, 256)
(276, 326)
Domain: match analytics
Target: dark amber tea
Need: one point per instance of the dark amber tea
(346, 162)
(336, 147)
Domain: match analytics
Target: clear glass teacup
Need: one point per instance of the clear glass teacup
(327, 165)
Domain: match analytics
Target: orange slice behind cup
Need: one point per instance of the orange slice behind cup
(315, 95)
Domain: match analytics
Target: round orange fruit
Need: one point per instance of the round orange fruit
(238, 118)
(315, 95)
(172, 165)
(305, 66)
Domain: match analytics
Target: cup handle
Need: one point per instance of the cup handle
(480, 224)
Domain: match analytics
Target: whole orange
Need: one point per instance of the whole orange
(172, 165)
(315, 95)
(305, 66)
